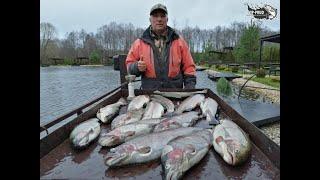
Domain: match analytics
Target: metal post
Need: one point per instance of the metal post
(123, 69)
(261, 44)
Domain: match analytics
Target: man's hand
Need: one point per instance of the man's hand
(142, 66)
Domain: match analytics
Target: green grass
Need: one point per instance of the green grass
(267, 81)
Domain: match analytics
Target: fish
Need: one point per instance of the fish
(84, 133)
(106, 113)
(153, 121)
(165, 102)
(127, 118)
(209, 109)
(182, 120)
(153, 110)
(138, 102)
(166, 124)
(231, 142)
(124, 133)
(179, 95)
(183, 152)
(144, 148)
(190, 103)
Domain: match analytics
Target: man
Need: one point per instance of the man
(160, 56)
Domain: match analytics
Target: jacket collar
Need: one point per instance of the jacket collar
(146, 36)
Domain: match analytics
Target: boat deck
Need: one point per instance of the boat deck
(65, 162)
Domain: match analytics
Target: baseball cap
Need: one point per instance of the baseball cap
(159, 6)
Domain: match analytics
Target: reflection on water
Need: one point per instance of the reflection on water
(148, 170)
(65, 88)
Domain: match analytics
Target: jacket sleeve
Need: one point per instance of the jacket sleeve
(132, 59)
(188, 67)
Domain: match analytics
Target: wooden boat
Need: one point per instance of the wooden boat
(59, 161)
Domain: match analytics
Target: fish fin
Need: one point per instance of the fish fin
(144, 150)
(130, 133)
(122, 101)
(212, 119)
(201, 105)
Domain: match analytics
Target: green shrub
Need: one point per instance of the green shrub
(224, 87)
(275, 79)
(261, 73)
(67, 61)
(95, 57)
(228, 69)
(235, 69)
(220, 68)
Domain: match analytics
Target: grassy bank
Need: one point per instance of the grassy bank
(270, 81)
(267, 81)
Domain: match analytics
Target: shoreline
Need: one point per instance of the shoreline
(272, 95)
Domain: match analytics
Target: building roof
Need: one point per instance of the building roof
(273, 38)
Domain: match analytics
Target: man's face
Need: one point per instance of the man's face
(159, 21)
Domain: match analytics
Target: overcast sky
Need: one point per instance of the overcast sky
(70, 15)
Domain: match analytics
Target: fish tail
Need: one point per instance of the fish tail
(212, 119)
(122, 101)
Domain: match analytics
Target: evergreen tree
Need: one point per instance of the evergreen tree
(248, 48)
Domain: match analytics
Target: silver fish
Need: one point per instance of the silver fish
(209, 108)
(179, 95)
(85, 132)
(127, 118)
(153, 110)
(183, 120)
(138, 102)
(166, 124)
(165, 102)
(152, 121)
(144, 148)
(190, 103)
(106, 113)
(231, 142)
(183, 152)
(124, 133)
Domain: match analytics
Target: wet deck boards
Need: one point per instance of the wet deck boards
(65, 162)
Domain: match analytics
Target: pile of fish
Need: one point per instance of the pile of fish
(153, 128)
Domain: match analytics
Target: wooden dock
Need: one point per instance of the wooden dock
(200, 68)
(216, 75)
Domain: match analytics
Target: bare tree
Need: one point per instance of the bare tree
(114, 38)
(47, 34)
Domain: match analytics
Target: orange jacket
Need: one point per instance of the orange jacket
(178, 61)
